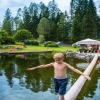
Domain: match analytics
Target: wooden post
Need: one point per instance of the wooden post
(76, 88)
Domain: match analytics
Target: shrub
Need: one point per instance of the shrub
(22, 35)
(34, 42)
(9, 40)
(74, 45)
(50, 44)
(5, 38)
(31, 42)
(46, 43)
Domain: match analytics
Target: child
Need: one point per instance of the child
(60, 76)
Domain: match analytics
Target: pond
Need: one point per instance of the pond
(16, 83)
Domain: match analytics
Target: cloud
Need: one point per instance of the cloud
(97, 4)
(13, 5)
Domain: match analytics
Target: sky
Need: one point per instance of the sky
(13, 5)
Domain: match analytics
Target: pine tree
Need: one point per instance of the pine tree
(62, 30)
(89, 23)
(18, 20)
(26, 18)
(33, 11)
(7, 22)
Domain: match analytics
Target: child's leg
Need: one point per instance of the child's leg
(61, 97)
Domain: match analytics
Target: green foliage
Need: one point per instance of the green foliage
(5, 38)
(50, 44)
(46, 43)
(44, 26)
(53, 24)
(41, 39)
(31, 42)
(74, 45)
(22, 35)
(8, 22)
(9, 40)
(0, 38)
(53, 45)
(84, 19)
(62, 30)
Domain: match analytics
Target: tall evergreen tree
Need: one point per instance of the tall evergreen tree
(89, 24)
(62, 34)
(26, 18)
(98, 27)
(77, 17)
(53, 9)
(7, 22)
(18, 20)
(84, 19)
(33, 9)
(54, 16)
(44, 11)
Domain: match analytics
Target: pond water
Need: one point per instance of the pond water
(16, 83)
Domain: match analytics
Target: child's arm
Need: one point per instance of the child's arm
(41, 66)
(77, 71)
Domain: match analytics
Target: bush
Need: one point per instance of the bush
(22, 35)
(74, 45)
(34, 42)
(9, 40)
(46, 43)
(50, 44)
(31, 42)
(5, 38)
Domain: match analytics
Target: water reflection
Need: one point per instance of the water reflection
(17, 80)
(90, 89)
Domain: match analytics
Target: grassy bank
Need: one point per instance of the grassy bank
(39, 48)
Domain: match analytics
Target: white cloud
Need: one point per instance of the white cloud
(97, 3)
(13, 5)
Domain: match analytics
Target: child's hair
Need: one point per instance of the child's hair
(58, 55)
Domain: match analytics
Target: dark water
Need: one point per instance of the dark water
(16, 83)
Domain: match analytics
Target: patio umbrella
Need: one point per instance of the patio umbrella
(89, 42)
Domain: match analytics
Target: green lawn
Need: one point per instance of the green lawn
(41, 48)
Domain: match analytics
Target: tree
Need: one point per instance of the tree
(43, 27)
(89, 23)
(44, 11)
(26, 19)
(52, 35)
(62, 33)
(54, 16)
(18, 20)
(33, 11)
(76, 30)
(7, 22)
(84, 19)
(98, 26)
(22, 35)
(53, 9)
(3, 36)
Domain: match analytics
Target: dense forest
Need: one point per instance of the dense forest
(51, 24)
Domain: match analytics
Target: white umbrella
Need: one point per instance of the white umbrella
(89, 41)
